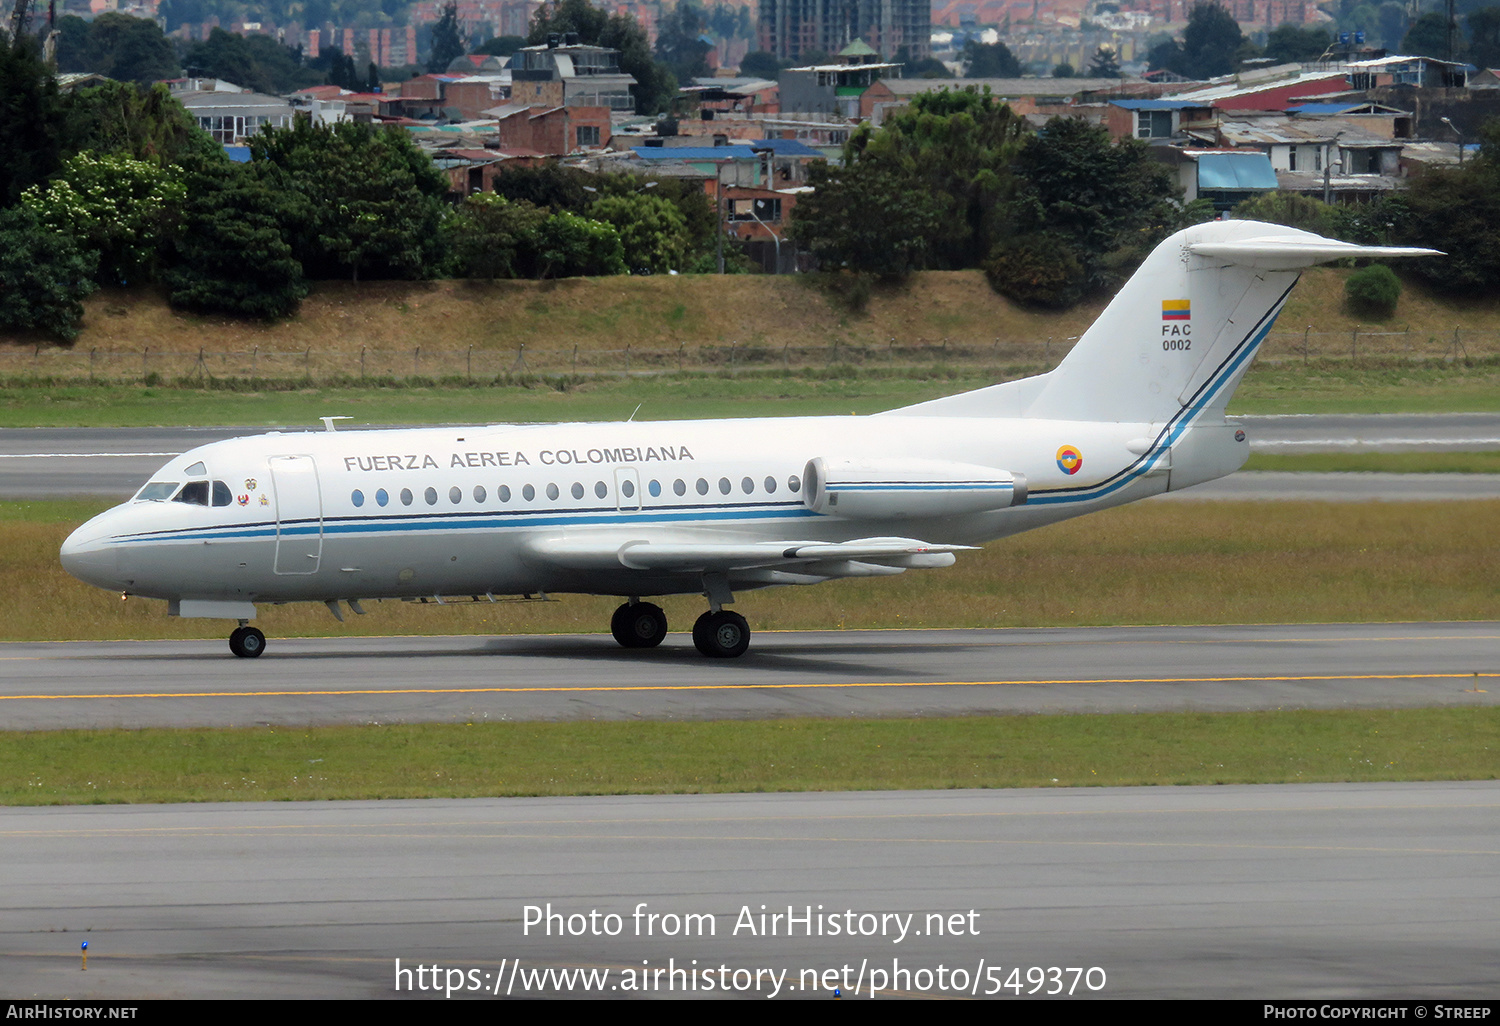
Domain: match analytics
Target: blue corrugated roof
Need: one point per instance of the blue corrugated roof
(1235, 171)
(1159, 104)
(694, 152)
(786, 147)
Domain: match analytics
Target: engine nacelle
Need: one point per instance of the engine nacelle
(896, 489)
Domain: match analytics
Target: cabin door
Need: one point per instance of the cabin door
(299, 515)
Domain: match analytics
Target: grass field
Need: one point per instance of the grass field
(1148, 563)
(483, 759)
(1379, 462)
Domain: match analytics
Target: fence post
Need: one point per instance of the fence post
(306, 369)
(627, 357)
(145, 356)
(416, 361)
(92, 351)
(680, 347)
(786, 359)
(361, 363)
(469, 365)
(1305, 333)
(1048, 357)
(1354, 345)
(254, 361)
(575, 357)
(734, 348)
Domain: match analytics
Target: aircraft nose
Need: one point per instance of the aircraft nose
(88, 556)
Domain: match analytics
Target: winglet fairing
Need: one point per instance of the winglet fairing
(713, 507)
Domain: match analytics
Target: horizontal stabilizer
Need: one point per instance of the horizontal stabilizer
(613, 553)
(1290, 252)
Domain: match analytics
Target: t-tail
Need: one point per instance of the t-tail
(1174, 343)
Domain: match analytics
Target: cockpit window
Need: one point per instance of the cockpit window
(196, 470)
(222, 495)
(194, 492)
(158, 490)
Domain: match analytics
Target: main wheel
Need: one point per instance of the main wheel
(247, 642)
(639, 625)
(721, 635)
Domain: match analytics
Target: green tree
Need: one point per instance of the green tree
(869, 216)
(447, 43)
(957, 148)
(655, 86)
(1211, 45)
(1484, 37)
(129, 49)
(760, 64)
(679, 43)
(502, 46)
(989, 60)
(146, 123)
(124, 209)
(44, 275)
(371, 202)
(1288, 43)
(1106, 63)
(570, 246)
(1106, 203)
(232, 250)
(30, 118)
(1063, 70)
(1288, 208)
(1428, 37)
(496, 238)
(1456, 210)
(653, 233)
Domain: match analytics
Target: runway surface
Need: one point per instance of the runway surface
(113, 463)
(811, 673)
(1318, 892)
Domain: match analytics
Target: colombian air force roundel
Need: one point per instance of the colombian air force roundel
(1069, 459)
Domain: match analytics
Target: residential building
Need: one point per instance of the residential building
(791, 28)
(564, 73)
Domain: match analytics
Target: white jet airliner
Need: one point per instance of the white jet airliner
(720, 506)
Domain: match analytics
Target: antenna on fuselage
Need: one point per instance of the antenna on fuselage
(328, 422)
(634, 412)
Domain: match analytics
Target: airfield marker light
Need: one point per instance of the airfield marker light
(85, 950)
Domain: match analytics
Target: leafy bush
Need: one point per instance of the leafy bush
(44, 275)
(1373, 291)
(1036, 270)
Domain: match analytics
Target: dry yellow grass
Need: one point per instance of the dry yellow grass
(1147, 563)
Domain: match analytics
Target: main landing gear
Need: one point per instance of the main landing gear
(247, 642)
(719, 634)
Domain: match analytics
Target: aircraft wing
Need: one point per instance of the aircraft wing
(615, 552)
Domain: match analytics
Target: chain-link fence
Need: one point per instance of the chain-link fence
(437, 363)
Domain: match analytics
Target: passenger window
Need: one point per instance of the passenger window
(505, 493)
(628, 487)
(455, 495)
(222, 495)
(770, 484)
(794, 483)
(679, 486)
(194, 493)
(406, 497)
(601, 491)
(655, 489)
(528, 493)
(724, 486)
(382, 497)
(552, 491)
(577, 490)
(358, 497)
(431, 496)
(702, 486)
(479, 493)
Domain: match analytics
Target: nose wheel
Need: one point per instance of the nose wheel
(247, 642)
(639, 625)
(721, 635)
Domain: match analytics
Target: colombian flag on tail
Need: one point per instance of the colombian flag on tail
(1175, 310)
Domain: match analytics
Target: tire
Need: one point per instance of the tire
(721, 635)
(639, 625)
(247, 642)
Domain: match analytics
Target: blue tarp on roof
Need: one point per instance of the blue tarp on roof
(238, 154)
(1159, 104)
(694, 152)
(1235, 171)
